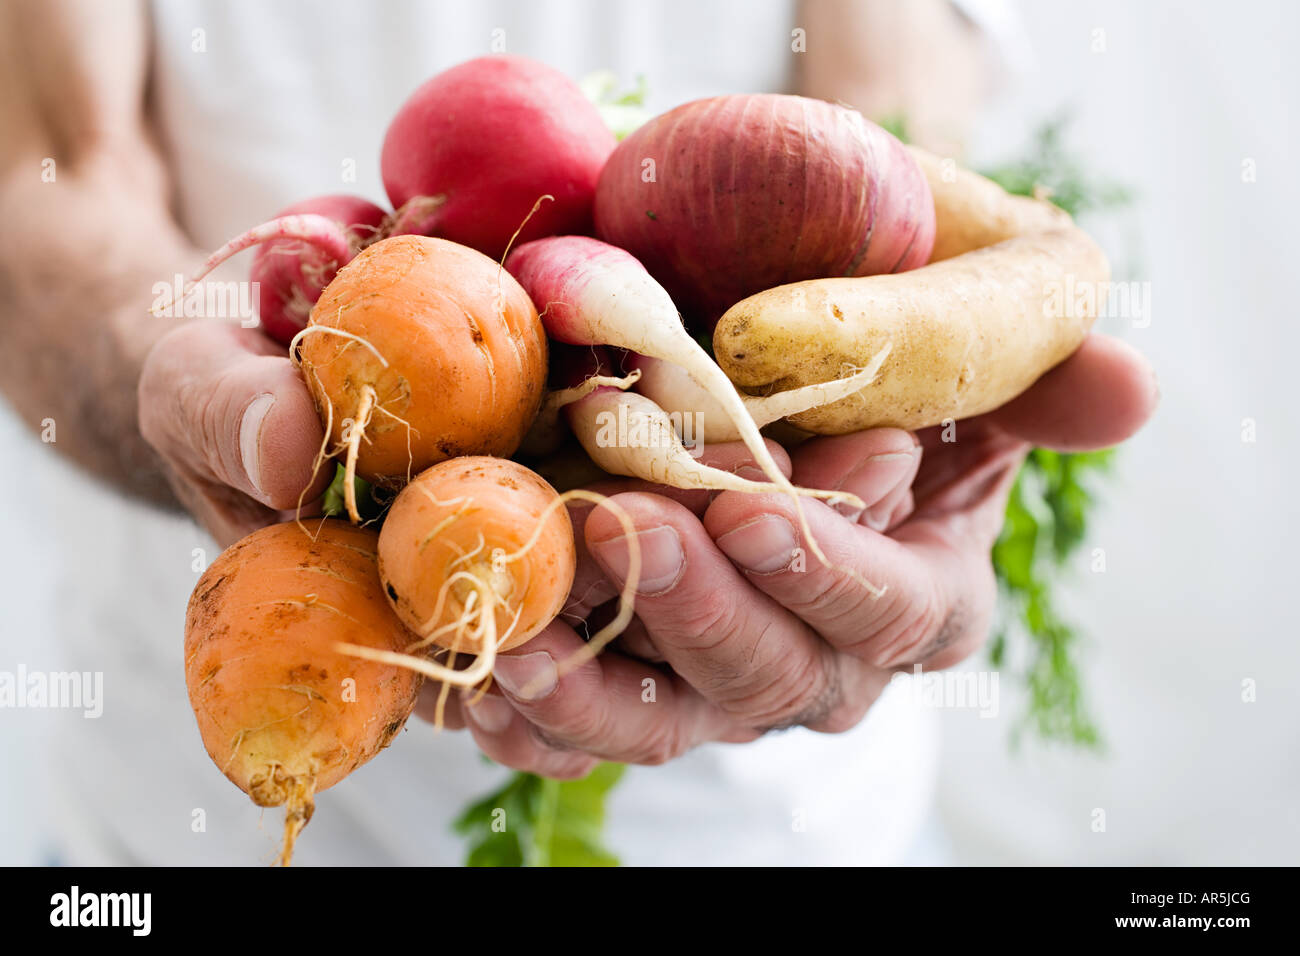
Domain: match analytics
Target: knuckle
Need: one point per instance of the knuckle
(797, 689)
(574, 768)
(843, 717)
(905, 626)
(662, 744)
(836, 601)
(548, 740)
(708, 619)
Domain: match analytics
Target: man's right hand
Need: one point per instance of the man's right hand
(235, 426)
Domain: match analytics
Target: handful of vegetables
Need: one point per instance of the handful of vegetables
(848, 281)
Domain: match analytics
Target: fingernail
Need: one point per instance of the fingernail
(763, 545)
(877, 516)
(752, 472)
(527, 676)
(662, 558)
(250, 434)
(848, 509)
(491, 713)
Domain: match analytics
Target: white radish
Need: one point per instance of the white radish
(628, 434)
(674, 390)
(591, 293)
(546, 433)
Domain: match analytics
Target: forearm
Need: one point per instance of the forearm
(920, 60)
(74, 299)
(85, 203)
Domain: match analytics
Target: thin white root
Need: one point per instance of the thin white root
(626, 597)
(711, 376)
(318, 231)
(484, 611)
(557, 399)
(677, 392)
(355, 432)
(765, 409)
(329, 329)
(627, 434)
(544, 435)
(472, 675)
(322, 455)
(515, 235)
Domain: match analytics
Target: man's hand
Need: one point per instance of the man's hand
(736, 636)
(234, 425)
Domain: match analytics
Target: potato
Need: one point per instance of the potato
(966, 334)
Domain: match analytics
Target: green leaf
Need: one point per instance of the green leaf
(533, 821)
(1046, 521)
(1051, 168)
(622, 112)
(333, 505)
(895, 124)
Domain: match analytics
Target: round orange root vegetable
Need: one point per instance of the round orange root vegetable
(281, 712)
(477, 555)
(422, 350)
(458, 532)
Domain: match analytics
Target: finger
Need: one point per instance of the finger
(504, 736)
(610, 707)
(591, 587)
(952, 477)
(903, 510)
(957, 545)
(637, 642)
(1098, 397)
(216, 405)
(734, 645)
(227, 514)
(877, 465)
(449, 716)
(888, 601)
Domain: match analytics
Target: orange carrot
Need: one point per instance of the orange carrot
(281, 712)
(422, 350)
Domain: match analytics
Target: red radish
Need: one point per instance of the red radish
(291, 273)
(725, 197)
(591, 293)
(305, 246)
(474, 148)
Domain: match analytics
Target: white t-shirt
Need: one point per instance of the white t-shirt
(262, 104)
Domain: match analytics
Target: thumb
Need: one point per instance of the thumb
(220, 404)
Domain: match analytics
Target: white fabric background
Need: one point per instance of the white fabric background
(1197, 527)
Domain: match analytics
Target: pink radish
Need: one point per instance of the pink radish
(725, 197)
(291, 273)
(474, 148)
(591, 293)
